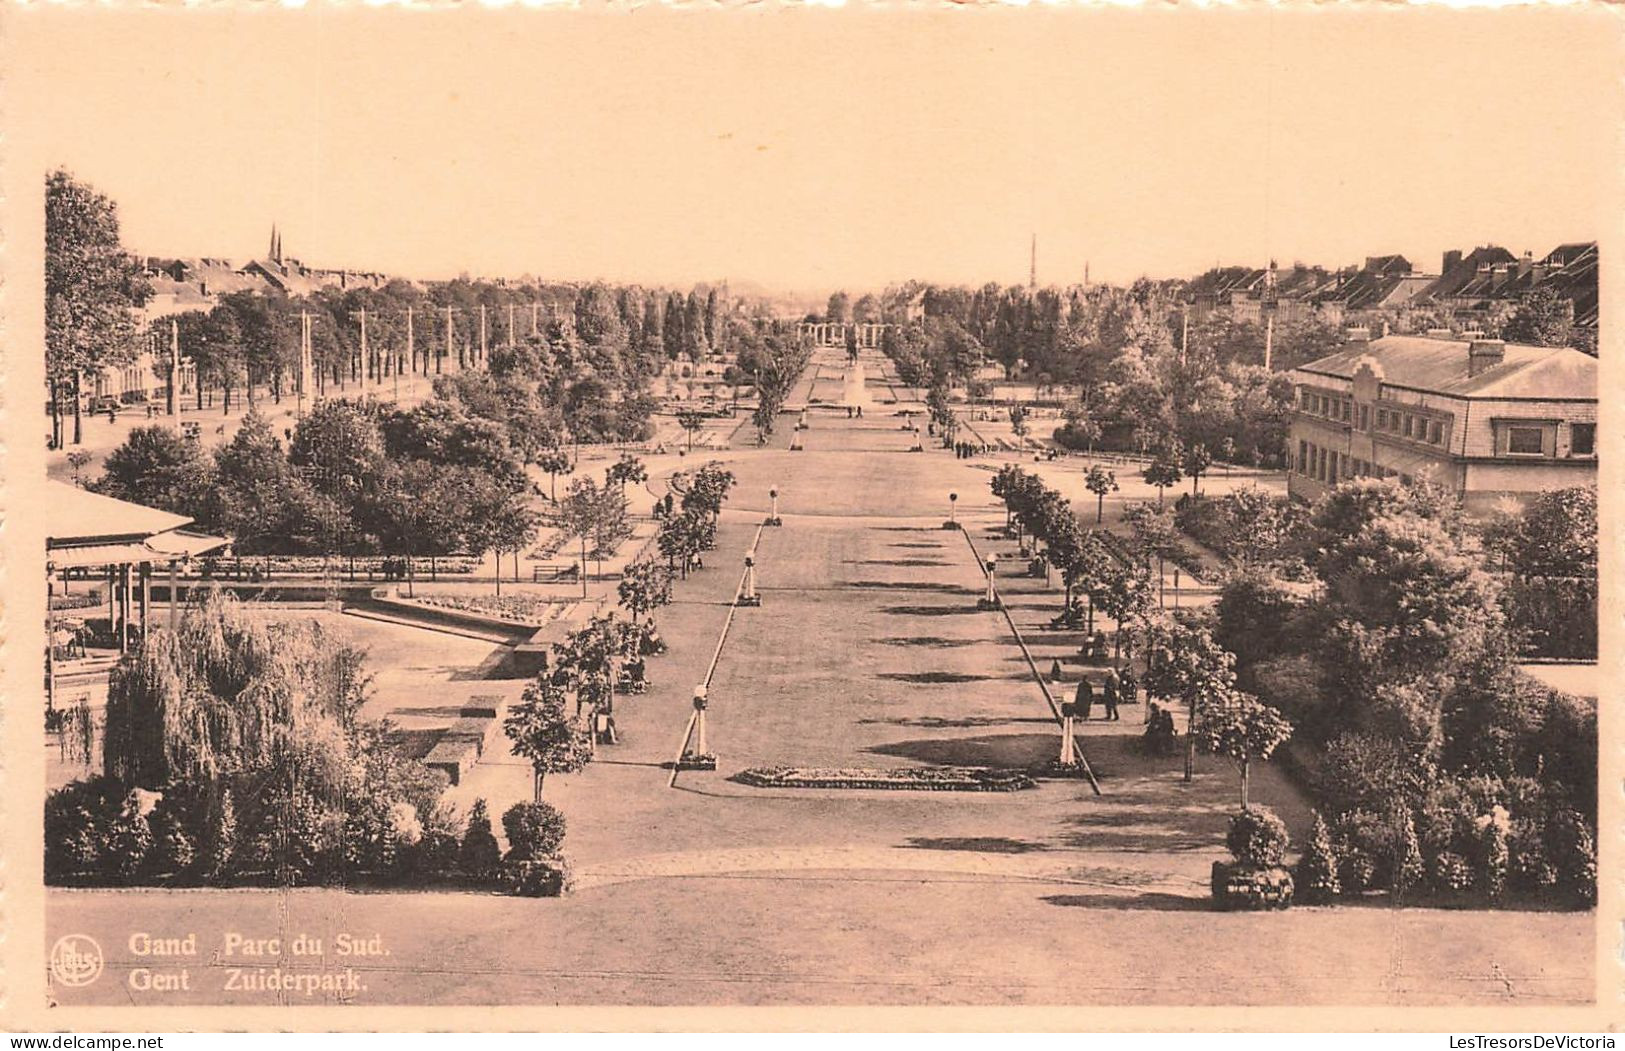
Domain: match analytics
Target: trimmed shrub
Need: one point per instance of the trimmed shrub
(536, 877)
(293, 841)
(1573, 851)
(1364, 850)
(435, 856)
(1450, 874)
(174, 848)
(1529, 869)
(1317, 869)
(220, 839)
(1257, 837)
(1408, 868)
(370, 843)
(76, 819)
(534, 830)
(129, 838)
(1493, 857)
(479, 855)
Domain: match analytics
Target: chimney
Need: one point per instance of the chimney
(1485, 354)
(1539, 272)
(1498, 275)
(1452, 259)
(1525, 263)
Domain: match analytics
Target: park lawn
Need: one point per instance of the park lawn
(868, 651)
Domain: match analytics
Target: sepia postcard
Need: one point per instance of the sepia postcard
(786, 516)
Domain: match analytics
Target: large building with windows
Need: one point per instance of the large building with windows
(1490, 420)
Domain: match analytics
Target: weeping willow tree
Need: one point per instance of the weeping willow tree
(227, 695)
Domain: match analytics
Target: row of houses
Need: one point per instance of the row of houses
(181, 286)
(1469, 289)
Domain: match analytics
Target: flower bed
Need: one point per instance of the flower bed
(914, 779)
(520, 609)
(1250, 887)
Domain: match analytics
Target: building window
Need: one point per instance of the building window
(1365, 417)
(1582, 439)
(1303, 457)
(1331, 471)
(1347, 409)
(1436, 432)
(1526, 441)
(1410, 423)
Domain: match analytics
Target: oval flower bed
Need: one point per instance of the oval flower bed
(912, 778)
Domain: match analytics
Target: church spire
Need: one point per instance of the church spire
(276, 244)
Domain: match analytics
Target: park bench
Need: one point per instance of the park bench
(554, 572)
(466, 739)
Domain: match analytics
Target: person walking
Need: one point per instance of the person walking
(1110, 692)
(1084, 698)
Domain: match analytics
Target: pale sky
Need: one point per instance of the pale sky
(818, 148)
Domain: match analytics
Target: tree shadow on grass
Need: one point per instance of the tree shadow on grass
(913, 585)
(935, 641)
(935, 722)
(993, 750)
(934, 678)
(918, 546)
(975, 844)
(931, 611)
(1154, 902)
(903, 562)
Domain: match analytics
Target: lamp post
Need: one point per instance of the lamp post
(747, 594)
(1068, 712)
(700, 704)
(953, 519)
(991, 599)
(773, 518)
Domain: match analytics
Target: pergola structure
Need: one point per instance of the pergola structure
(99, 537)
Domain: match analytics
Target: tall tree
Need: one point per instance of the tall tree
(544, 733)
(92, 289)
(1543, 319)
(694, 341)
(672, 327)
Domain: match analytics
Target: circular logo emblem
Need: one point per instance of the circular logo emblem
(76, 959)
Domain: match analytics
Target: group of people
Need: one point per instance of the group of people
(393, 568)
(1117, 688)
(966, 450)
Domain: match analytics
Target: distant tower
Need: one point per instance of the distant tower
(1086, 273)
(1032, 268)
(276, 245)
